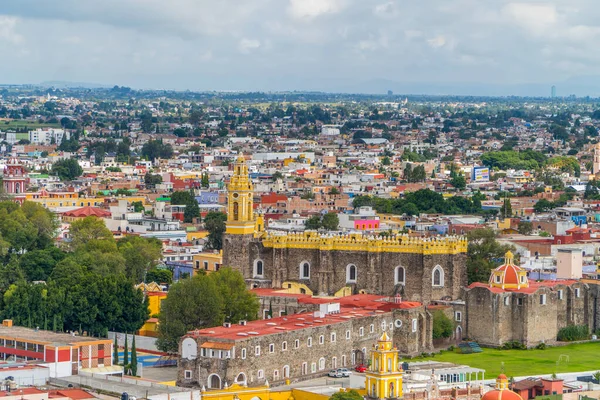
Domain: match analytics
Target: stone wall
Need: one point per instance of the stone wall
(375, 271)
(354, 339)
(494, 318)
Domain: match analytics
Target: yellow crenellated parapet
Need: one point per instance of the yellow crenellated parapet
(359, 242)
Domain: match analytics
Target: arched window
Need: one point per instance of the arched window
(321, 364)
(304, 270)
(437, 276)
(258, 268)
(236, 211)
(351, 273)
(399, 276)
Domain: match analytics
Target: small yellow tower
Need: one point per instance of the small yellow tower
(240, 213)
(384, 377)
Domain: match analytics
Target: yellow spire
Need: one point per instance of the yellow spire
(240, 202)
(383, 380)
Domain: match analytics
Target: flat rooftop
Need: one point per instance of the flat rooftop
(20, 333)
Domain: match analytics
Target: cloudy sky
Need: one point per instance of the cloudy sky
(300, 44)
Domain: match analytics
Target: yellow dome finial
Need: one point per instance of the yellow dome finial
(508, 257)
(241, 158)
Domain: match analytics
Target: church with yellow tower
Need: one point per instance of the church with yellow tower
(415, 268)
(383, 380)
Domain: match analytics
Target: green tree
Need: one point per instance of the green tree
(192, 210)
(152, 180)
(238, 302)
(115, 351)
(159, 276)
(38, 264)
(313, 223)
(141, 255)
(138, 206)
(506, 209)
(133, 357)
(67, 169)
(386, 161)
(154, 149)
(443, 327)
(88, 232)
(525, 228)
(192, 304)
(205, 182)
(214, 223)
(330, 221)
(483, 254)
(277, 175)
(543, 205)
(407, 175)
(125, 353)
(459, 181)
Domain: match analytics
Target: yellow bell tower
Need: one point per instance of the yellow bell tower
(384, 377)
(240, 213)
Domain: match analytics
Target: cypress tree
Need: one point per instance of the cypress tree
(116, 351)
(125, 353)
(133, 358)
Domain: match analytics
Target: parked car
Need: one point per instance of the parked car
(360, 368)
(335, 374)
(344, 371)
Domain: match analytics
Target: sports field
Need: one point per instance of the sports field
(570, 358)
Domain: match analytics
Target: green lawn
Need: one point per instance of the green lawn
(31, 125)
(582, 357)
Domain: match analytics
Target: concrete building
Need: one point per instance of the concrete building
(63, 354)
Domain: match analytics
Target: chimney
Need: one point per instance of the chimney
(227, 324)
(7, 322)
(243, 322)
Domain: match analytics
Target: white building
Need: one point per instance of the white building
(48, 136)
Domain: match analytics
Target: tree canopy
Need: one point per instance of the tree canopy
(511, 159)
(204, 301)
(214, 223)
(484, 253)
(421, 201)
(67, 169)
(192, 210)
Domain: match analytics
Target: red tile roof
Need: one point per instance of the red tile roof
(351, 307)
(87, 212)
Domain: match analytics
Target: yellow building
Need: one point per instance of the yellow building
(208, 262)
(150, 327)
(383, 380)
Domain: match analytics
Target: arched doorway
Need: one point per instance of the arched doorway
(458, 334)
(358, 356)
(214, 381)
(286, 372)
(241, 378)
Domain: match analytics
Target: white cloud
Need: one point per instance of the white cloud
(300, 9)
(537, 18)
(246, 46)
(8, 30)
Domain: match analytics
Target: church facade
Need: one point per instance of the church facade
(419, 269)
